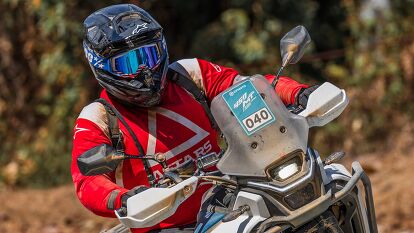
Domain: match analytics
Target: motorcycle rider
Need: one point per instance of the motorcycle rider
(127, 53)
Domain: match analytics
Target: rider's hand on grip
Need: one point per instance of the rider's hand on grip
(302, 97)
(123, 210)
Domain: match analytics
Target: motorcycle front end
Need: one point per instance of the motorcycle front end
(330, 199)
(284, 186)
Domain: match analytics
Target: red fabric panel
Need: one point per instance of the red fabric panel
(216, 78)
(92, 191)
(286, 88)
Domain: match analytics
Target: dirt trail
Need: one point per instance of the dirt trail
(54, 210)
(58, 211)
(393, 187)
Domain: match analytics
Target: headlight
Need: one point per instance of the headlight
(286, 170)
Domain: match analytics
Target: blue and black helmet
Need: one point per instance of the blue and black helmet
(126, 50)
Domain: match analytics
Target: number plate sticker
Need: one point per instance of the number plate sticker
(248, 107)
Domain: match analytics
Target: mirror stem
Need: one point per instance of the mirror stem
(276, 79)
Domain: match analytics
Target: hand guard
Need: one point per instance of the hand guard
(123, 210)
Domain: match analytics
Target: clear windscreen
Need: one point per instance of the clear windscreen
(258, 128)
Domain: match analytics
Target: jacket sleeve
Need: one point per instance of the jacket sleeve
(214, 79)
(286, 88)
(94, 192)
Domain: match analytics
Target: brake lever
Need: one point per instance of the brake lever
(174, 177)
(186, 168)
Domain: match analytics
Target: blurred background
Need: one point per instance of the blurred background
(364, 46)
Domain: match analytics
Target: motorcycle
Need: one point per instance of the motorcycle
(282, 185)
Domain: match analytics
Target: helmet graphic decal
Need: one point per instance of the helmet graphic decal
(139, 28)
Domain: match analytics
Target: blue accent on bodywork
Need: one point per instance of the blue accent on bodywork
(212, 220)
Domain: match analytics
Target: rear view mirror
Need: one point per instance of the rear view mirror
(293, 44)
(99, 160)
(292, 47)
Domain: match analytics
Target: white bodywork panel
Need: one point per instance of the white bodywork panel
(244, 221)
(254, 201)
(153, 205)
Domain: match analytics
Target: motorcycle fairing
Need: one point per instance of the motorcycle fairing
(249, 155)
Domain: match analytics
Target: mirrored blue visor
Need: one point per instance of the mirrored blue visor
(128, 64)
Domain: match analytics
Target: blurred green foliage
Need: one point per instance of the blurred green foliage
(44, 79)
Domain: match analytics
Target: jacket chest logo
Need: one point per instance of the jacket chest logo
(200, 134)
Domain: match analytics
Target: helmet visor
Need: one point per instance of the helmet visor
(128, 64)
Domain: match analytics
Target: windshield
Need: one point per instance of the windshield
(257, 126)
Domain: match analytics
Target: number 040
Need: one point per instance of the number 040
(257, 119)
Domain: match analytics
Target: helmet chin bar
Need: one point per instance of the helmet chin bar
(149, 101)
(145, 90)
(147, 77)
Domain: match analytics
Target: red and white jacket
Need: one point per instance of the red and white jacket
(178, 127)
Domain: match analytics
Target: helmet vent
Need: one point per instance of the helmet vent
(126, 22)
(96, 36)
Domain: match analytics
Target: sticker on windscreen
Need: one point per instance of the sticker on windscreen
(248, 107)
